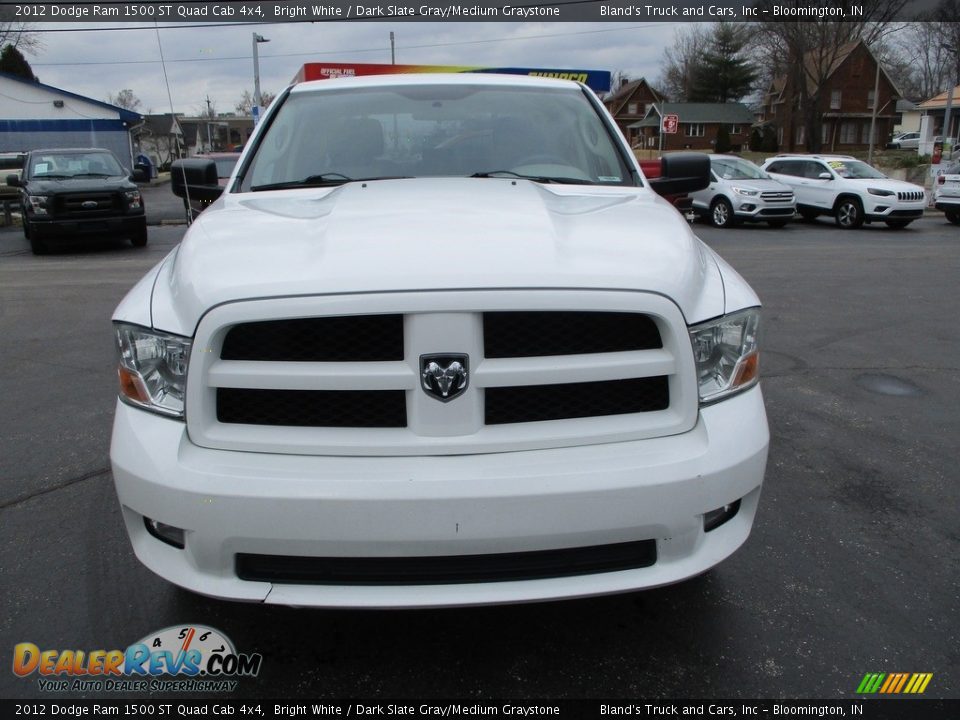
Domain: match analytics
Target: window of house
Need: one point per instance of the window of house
(695, 130)
(632, 108)
(835, 97)
(801, 135)
(870, 100)
(780, 135)
(735, 129)
(825, 134)
(849, 133)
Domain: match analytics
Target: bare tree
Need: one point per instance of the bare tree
(125, 99)
(679, 65)
(246, 101)
(23, 36)
(807, 53)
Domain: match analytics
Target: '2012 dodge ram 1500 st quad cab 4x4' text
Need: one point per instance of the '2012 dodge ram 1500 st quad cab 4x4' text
(438, 342)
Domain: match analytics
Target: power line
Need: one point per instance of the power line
(354, 51)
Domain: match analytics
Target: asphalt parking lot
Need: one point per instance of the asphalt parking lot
(851, 567)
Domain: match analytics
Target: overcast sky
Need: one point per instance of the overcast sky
(217, 61)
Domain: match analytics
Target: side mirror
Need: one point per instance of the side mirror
(195, 177)
(138, 175)
(13, 180)
(825, 176)
(682, 173)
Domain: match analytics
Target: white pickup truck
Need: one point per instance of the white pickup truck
(438, 342)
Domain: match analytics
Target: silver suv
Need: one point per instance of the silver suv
(741, 192)
(848, 189)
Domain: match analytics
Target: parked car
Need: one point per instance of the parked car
(946, 193)
(225, 163)
(740, 191)
(905, 141)
(11, 163)
(847, 189)
(78, 194)
(479, 360)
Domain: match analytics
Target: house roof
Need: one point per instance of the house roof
(125, 115)
(940, 101)
(616, 101)
(725, 113)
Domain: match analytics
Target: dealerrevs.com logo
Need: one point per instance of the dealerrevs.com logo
(184, 658)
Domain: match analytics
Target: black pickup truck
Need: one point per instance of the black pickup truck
(78, 194)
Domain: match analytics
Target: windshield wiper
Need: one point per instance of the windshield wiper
(534, 178)
(92, 175)
(52, 176)
(323, 180)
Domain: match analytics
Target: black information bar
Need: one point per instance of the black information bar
(630, 11)
(894, 708)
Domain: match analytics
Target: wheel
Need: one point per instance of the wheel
(37, 246)
(953, 216)
(140, 239)
(807, 214)
(897, 224)
(721, 213)
(849, 213)
(26, 226)
(777, 223)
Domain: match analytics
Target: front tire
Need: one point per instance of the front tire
(953, 216)
(897, 224)
(37, 246)
(721, 213)
(807, 214)
(849, 213)
(140, 239)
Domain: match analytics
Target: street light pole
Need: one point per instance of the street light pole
(873, 112)
(257, 39)
(947, 146)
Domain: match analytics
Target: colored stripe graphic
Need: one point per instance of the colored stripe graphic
(894, 683)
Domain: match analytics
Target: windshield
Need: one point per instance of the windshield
(736, 169)
(854, 169)
(332, 137)
(67, 165)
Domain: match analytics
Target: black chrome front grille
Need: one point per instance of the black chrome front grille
(88, 205)
(537, 334)
(446, 569)
(313, 408)
(910, 195)
(361, 338)
(535, 403)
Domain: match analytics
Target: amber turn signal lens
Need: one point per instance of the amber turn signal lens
(131, 386)
(748, 371)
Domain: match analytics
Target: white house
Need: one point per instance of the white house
(34, 115)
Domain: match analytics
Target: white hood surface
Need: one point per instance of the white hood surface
(434, 233)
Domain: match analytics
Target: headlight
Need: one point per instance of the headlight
(133, 199)
(153, 369)
(38, 204)
(745, 191)
(881, 193)
(727, 354)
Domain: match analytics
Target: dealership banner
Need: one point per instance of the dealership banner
(597, 80)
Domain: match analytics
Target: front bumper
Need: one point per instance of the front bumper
(122, 226)
(891, 209)
(759, 210)
(234, 503)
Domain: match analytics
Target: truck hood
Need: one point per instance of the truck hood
(418, 234)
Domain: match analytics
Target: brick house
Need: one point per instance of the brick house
(629, 105)
(845, 103)
(699, 125)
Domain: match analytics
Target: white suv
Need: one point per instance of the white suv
(848, 189)
(946, 192)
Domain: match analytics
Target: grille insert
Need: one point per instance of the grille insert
(535, 403)
(360, 338)
(313, 408)
(446, 569)
(535, 334)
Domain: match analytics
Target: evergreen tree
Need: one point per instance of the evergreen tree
(12, 62)
(724, 74)
(722, 144)
(756, 140)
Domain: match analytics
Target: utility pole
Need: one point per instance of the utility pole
(393, 55)
(209, 117)
(873, 111)
(257, 100)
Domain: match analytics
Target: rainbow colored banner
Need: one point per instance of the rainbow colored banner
(596, 80)
(894, 683)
